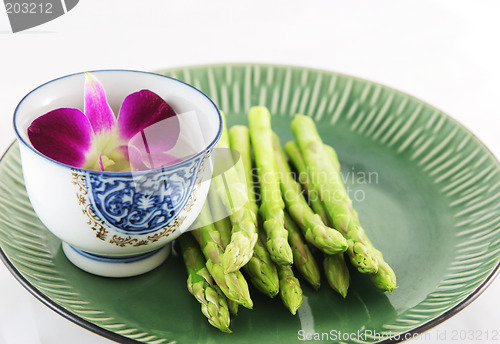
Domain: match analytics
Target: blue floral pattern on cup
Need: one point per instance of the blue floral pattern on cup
(145, 203)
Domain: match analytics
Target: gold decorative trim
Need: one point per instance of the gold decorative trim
(93, 221)
(165, 232)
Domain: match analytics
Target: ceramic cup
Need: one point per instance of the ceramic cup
(120, 224)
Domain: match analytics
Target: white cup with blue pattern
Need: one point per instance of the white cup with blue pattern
(120, 224)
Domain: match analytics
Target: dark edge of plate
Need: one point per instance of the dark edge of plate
(61, 310)
(125, 340)
(446, 315)
(53, 305)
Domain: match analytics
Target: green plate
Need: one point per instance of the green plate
(426, 189)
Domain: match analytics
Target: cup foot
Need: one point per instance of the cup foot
(116, 266)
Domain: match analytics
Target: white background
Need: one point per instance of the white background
(442, 51)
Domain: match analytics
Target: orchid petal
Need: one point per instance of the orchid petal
(144, 111)
(96, 106)
(64, 135)
(141, 160)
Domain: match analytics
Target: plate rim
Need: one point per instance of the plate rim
(47, 301)
(352, 76)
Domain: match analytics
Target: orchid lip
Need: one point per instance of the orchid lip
(23, 138)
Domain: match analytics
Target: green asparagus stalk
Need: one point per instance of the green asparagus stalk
(233, 307)
(326, 239)
(303, 259)
(219, 215)
(327, 182)
(223, 226)
(201, 285)
(337, 273)
(385, 278)
(239, 140)
(261, 269)
(233, 284)
(290, 290)
(233, 193)
(292, 150)
(332, 155)
(272, 204)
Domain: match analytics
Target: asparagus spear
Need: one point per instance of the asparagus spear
(233, 284)
(223, 226)
(327, 182)
(233, 193)
(219, 215)
(292, 150)
(290, 290)
(302, 256)
(260, 267)
(336, 273)
(385, 278)
(239, 140)
(201, 285)
(272, 204)
(326, 239)
(332, 155)
(233, 307)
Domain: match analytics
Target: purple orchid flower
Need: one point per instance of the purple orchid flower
(95, 139)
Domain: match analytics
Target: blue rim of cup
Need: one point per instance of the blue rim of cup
(132, 258)
(173, 166)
